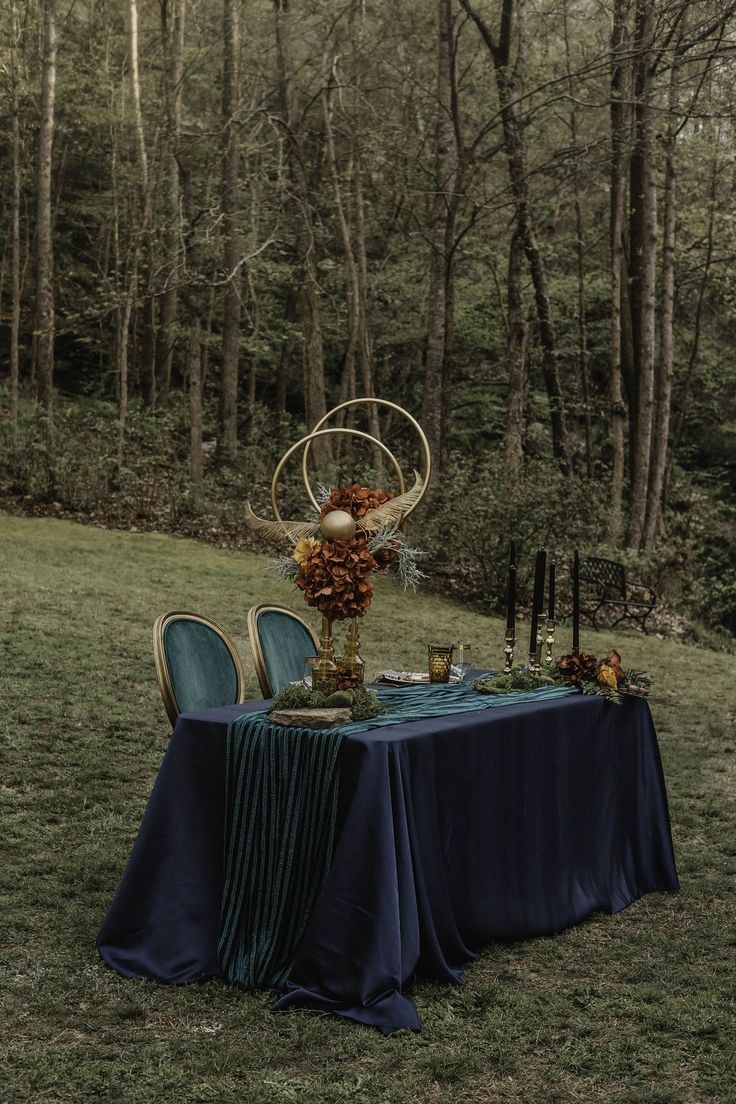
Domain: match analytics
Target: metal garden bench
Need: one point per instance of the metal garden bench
(605, 594)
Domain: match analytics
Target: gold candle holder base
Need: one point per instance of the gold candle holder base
(508, 651)
(537, 658)
(549, 641)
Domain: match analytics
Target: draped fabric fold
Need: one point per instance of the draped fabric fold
(281, 801)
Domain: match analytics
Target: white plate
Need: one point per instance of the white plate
(411, 678)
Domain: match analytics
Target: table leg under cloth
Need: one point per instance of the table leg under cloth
(503, 824)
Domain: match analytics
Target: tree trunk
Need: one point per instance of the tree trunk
(135, 89)
(365, 346)
(663, 381)
(286, 353)
(351, 271)
(122, 357)
(145, 319)
(643, 261)
(516, 346)
(583, 355)
(255, 356)
(684, 402)
(231, 230)
(436, 383)
(15, 220)
(172, 37)
(44, 242)
(140, 235)
(120, 346)
(308, 296)
(618, 206)
(510, 88)
(195, 408)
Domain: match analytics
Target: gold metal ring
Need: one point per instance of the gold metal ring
(393, 406)
(329, 433)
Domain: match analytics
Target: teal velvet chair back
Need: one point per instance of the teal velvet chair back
(280, 641)
(197, 664)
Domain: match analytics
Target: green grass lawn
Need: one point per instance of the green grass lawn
(634, 1007)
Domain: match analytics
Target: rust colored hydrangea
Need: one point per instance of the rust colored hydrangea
(357, 500)
(578, 667)
(336, 578)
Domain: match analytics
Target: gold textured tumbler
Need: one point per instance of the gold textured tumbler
(439, 659)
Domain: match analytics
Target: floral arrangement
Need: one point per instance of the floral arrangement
(334, 575)
(606, 678)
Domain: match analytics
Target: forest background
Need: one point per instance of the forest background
(514, 218)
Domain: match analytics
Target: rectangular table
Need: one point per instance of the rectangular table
(452, 832)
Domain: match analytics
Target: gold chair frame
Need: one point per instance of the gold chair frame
(163, 674)
(255, 643)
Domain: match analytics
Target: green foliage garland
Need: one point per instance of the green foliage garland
(521, 678)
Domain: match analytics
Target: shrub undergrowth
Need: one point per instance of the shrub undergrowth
(73, 467)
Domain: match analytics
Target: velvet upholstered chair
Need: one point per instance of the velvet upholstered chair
(280, 641)
(197, 664)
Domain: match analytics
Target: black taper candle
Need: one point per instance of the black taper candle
(576, 602)
(511, 601)
(551, 607)
(537, 598)
(511, 590)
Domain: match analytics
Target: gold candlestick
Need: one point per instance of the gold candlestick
(535, 658)
(508, 651)
(324, 672)
(549, 641)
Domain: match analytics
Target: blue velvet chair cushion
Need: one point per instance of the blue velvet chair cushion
(203, 674)
(285, 643)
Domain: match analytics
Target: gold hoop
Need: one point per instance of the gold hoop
(328, 433)
(376, 402)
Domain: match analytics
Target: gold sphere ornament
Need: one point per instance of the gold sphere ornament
(337, 525)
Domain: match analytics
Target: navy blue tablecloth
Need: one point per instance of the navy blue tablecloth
(453, 832)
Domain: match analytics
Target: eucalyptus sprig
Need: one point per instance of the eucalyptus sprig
(408, 573)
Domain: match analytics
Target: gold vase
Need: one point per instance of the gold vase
(324, 672)
(353, 660)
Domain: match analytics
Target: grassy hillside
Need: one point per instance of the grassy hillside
(636, 1007)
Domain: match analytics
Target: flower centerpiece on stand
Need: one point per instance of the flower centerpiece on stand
(356, 531)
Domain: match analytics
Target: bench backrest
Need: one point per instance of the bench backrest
(604, 574)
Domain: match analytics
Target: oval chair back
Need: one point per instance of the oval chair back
(197, 664)
(280, 641)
